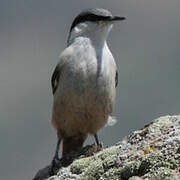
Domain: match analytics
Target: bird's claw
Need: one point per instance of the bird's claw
(54, 164)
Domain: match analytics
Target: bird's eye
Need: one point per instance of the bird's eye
(100, 22)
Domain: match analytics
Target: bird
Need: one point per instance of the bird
(84, 81)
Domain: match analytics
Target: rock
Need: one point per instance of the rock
(135, 178)
(152, 153)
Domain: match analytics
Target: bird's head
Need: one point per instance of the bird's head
(93, 23)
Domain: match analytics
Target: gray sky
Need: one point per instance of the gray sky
(32, 35)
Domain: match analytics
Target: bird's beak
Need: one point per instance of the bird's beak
(117, 18)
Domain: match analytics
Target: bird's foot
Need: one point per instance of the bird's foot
(92, 149)
(99, 147)
(54, 166)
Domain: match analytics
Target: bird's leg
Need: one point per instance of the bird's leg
(96, 139)
(99, 145)
(56, 157)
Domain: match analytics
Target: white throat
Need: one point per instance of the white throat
(96, 33)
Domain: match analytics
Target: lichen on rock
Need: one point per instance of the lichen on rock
(152, 153)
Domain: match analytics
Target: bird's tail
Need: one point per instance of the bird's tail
(73, 143)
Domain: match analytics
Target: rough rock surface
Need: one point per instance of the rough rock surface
(152, 153)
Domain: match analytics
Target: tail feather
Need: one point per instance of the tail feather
(71, 144)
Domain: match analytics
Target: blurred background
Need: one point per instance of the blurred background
(33, 33)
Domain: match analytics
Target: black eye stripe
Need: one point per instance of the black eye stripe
(88, 17)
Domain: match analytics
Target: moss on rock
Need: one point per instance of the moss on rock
(161, 173)
(152, 153)
(94, 171)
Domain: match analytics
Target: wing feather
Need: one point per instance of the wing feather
(55, 79)
(116, 78)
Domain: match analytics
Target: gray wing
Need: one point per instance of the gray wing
(116, 78)
(55, 79)
(56, 76)
(63, 59)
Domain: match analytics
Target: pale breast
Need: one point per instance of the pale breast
(86, 94)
